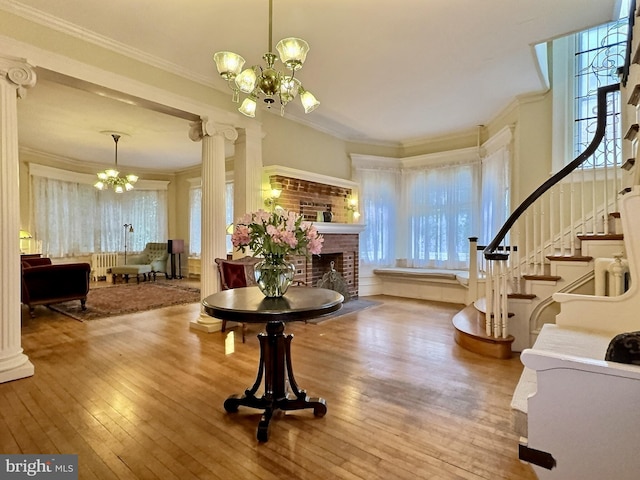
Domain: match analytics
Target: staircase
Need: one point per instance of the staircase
(559, 236)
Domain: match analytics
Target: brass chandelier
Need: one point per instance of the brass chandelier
(257, 81)
(110, 177)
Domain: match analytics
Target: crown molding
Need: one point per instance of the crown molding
(68, 28)
(82, 165)
(86, 178)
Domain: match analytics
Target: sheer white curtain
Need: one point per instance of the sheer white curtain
(441, 214)
(73, 218)
(229, 212)
(496, 180)
(195, 218)
(379, 204)
(195, 221)
(65, 217)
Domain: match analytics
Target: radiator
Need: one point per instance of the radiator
(101, 264)
(611, 276)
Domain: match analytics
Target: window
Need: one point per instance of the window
(599, 51)
(195, 217)
(72, 218)
(495, 185)
(422, 210)
(441, 215)
(582, 63)
(195, 220)
(379, 204)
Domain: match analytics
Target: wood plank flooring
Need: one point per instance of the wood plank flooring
(140, 397)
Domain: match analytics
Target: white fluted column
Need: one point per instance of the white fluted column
(213, 222)
(16, 76)
(247, 173)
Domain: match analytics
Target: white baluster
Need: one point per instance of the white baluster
(504, 310)
(489, 287)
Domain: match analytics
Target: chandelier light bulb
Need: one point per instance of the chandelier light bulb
(247, 80)
(99, 185)
(248, 107)
(289, 88)
(132, 178)
(118, 189)
(229, 64)
(309, 102)
(293, 52)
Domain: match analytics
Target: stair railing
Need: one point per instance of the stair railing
(548, 221)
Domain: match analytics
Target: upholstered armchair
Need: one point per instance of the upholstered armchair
(155, 255)
(236, 274)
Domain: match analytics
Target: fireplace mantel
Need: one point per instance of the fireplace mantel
(326, 228)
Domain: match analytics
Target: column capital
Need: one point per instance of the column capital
(207, 128)
(17, 72)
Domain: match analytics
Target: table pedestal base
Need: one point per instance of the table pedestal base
(275, 367)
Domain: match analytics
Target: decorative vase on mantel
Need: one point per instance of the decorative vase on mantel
(274, 275)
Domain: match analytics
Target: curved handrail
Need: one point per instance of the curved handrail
(490, 251)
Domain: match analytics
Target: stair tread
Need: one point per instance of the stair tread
(601, 236)
(550, 278)
(569, 258)
(526, 296)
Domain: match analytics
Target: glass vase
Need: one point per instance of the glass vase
(274, 275)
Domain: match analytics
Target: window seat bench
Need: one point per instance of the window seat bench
(425, 274)
(440, 285)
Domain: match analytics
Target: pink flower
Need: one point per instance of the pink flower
(240, 236)
(277, 233)
(315, 245)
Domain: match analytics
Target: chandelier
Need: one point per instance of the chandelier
(110, 177)
(257, 81)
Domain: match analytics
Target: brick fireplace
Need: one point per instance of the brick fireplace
(308, 194)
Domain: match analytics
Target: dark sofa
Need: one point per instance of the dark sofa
(44, 283)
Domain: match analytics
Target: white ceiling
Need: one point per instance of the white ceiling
(385, 72)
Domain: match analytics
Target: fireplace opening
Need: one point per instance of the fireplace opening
(342, 249)
(321, 264)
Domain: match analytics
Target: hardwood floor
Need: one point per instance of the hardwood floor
(140, 397)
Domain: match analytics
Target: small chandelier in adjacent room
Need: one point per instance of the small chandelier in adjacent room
(110, 177)
(268, 82)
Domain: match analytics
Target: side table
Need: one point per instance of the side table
(249, 305)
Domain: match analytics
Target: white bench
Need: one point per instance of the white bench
(578, 408)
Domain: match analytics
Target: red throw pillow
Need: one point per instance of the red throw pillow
(234, 275)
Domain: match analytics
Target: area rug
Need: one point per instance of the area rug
(352, 306)
(122, 299)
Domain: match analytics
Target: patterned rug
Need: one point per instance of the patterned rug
(129, 298)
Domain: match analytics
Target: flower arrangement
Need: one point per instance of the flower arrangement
(276, 234)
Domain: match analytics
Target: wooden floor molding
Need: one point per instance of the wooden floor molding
(141, 397)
